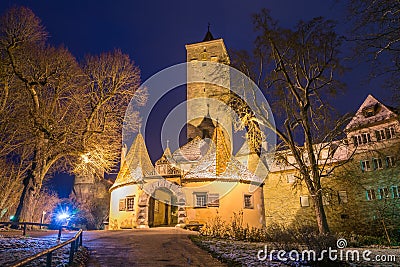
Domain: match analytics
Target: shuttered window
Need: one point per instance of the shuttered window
(304, 201)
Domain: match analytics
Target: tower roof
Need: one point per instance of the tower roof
(207, 126)
(137, 164)
(209, 36)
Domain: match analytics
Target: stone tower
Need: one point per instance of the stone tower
(208, 88)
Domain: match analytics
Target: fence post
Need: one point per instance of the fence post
(48, 260)
(80, 239)
(24, 231)
(71, 252)
(76, 245)
(59, 233)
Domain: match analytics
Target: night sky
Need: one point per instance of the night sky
(154, 34)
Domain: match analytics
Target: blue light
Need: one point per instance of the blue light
(12, 217)
(63, 216)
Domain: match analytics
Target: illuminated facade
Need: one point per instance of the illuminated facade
(201, 179)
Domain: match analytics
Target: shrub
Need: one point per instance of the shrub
(287, 238)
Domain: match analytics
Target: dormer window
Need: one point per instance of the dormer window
(370, 111)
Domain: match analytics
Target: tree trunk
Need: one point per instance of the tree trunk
(32, 182)
(27, 194)
(320, 215)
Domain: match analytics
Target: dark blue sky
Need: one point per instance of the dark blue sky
(154, 33)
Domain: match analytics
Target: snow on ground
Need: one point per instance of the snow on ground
(238, 253)
(14, 247)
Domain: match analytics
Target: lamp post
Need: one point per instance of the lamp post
(42, 219)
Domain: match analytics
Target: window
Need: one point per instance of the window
(386, 133)
(291, 178)
(383, 193)
(390, 161)
(213, 200)
(214, 58)
(365, 165)
(380, 135)
(371, 194)
(248, 201)
(395, 192)
(130, 203)
(389, 132)
(369, 113)
(371, 110)
(304, 201)
(361, 139)
(326, 198)
(377, 163)
(342, 196)
(200, 200)
(121, 205)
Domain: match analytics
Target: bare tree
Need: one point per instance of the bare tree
(72, 115)
(297, 69)
(376, 33)
(112, 83)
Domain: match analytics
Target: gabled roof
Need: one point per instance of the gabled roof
(370, 112)
(136, 165)
(166, 158)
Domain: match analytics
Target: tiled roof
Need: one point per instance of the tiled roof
(219, 164)
(191, 151)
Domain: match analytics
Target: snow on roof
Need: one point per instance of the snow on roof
(219, 164)
(136, 165)
(371, 111)
(191, 151)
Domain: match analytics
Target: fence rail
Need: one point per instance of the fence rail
(75, 242)
(24, 224)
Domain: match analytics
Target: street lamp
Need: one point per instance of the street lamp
(63, 217)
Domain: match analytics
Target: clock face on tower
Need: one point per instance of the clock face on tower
(204, 55)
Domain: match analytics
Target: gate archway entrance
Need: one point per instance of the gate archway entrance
(160, 209)
(161, 203)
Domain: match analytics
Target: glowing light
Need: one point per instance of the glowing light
(85, 158)
(63, 216)
(12, 217)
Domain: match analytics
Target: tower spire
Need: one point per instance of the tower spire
(209, 36)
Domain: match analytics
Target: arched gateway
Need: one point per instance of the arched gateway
(161, 203)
